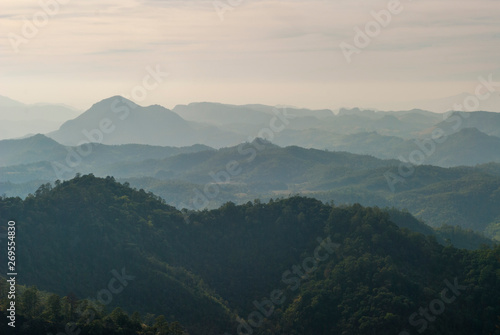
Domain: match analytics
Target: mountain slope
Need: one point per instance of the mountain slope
(30, 150)
(263, 170)
(346, 268)
(41, 148)
(122, 227)
(468, 146)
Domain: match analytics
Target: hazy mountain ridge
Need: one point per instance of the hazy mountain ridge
(117, 120)
(222, 125)
(224, 114)
(467, 147)
(18, 119)
(486, 122)
(40, 148)
(436, 195)
(264, 170)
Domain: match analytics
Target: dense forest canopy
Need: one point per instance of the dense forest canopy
(294, 266)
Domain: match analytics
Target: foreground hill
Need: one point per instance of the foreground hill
(80, 235)
(339, 269)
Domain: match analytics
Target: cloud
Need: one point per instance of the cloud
(258, 41)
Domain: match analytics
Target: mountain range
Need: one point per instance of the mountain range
(364, 150)
(199, 176)
(117, 120)
(221, 219)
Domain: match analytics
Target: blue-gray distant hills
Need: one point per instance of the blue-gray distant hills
(39, 148)
(18, 119)
(117, 120)
(344, 156)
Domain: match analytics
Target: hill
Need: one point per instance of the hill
(18, 119)
(338, 268)
(117, 120)
(466, 147)
(40, 148)
(209, 178)
(131, 242)
(486, 122)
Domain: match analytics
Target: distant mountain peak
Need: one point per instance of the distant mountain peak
(115, 99)
(263, 141)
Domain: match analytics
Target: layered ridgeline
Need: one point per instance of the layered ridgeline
(117, 120)
(65, 160)
(294, 266)
(395, 134)
(198, 176)
(18, 119)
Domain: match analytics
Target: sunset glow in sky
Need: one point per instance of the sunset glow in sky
(270, 52)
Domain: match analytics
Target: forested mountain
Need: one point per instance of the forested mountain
(263, 170)
(91, 230)
(40, 148)
(294, 266)
(32, 149)
(42, 313)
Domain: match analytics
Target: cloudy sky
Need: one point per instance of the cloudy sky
(247, 51)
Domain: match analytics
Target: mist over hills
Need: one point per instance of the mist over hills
(467, 146)
(40, 148)
(199, 176)
(223, 114)
(18, 119)
(158, 149)
(485, 122)
(130, 143)
(117, 120)
(221, 205)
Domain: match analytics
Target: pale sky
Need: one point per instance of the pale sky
(270, 52)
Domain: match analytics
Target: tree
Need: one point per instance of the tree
(161, 325)
(119, 317)
(54, 308)
(30, 302)
(176, 328)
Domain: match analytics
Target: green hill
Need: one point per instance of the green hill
(220, 267)
(463, 196)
